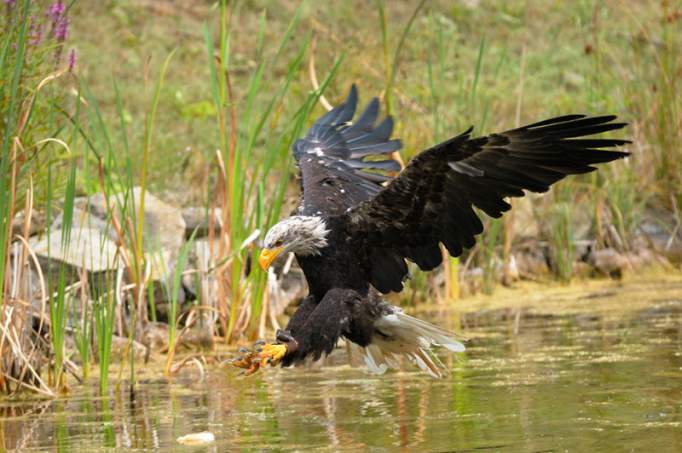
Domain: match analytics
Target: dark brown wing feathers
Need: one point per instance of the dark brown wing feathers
(344, 163)
(432, 201)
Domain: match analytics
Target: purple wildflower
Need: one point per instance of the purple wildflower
(56, 10)
(10, 3)
(61, 31)
(72, 59)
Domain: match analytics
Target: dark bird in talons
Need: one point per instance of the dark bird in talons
(358, 223)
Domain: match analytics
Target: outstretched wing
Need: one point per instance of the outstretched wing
(344, 163)
(432, 200)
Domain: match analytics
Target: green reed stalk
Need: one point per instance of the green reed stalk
(150, 122)
(391, 64)
(127, 218)
(668, 120)
(58, 306)
(83, 338)
(104, 314)
(58, 327)
(11, 69)
(173, 307)
(561, 240)
(245, 170)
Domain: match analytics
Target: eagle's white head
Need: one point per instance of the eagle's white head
(302, 235)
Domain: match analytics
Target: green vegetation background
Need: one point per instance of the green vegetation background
(587, 56)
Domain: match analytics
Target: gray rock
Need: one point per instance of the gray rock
(81, 218)
(198, 219)
(582, 219)
(37, 223)
(609, 262)
(163, 230)
(120, 348)
(531, 263)
(88, 249)
(155, 336)
(200, 337)
(663, 233)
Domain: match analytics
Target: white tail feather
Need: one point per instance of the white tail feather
(399, 335)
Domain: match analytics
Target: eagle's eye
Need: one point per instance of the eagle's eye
(279, 242)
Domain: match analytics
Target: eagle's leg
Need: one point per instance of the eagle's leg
(273, 353)
(297, 321)
(320, 332)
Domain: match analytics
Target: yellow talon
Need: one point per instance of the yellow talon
(272, 354)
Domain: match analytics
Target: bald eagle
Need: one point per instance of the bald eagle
(356, 226)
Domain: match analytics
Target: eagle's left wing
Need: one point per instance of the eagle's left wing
(432, 201)
(343, 163)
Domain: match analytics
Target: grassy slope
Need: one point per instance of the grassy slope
(591, 56)
(561, 74)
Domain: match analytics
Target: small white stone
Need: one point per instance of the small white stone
(201, 438)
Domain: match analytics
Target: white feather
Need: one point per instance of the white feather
(402, 335)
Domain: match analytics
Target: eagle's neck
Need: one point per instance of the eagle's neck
(337, 265)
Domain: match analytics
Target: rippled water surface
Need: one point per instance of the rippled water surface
(575, 370)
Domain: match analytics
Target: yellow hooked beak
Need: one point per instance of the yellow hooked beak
(267, 256)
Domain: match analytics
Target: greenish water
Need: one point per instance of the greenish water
(604, 375)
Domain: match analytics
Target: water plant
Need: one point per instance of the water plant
(562, 241)
(173, 305)
(104, 312)
(83, 335)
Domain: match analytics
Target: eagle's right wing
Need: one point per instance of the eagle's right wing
(344, 163)
(432, 201)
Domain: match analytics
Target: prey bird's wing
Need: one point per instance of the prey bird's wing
(432, 201)
(344, 162)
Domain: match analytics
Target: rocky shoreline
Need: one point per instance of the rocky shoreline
(92, 254)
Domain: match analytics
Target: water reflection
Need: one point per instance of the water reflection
(587, 379)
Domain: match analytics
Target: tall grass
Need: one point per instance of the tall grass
(59, 302)
(12, 96)
(561, 240)
(667, 97)
(391, 64)
(112, 173)
(173, 308)
(11, 67)
(25, 101)
(104, 315)
(83, 335)
(246, 205)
